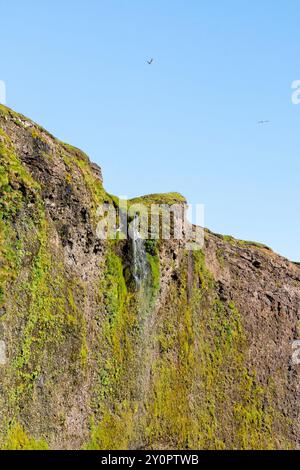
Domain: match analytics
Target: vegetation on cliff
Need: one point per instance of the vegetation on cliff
(94, 360)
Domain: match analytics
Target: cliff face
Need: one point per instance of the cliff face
(197, 355)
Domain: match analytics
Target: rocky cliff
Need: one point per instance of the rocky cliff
(195, 355)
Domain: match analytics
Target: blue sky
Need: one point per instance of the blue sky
(186, 123)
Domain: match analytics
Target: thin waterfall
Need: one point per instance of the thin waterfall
(142, 276)
(140, 267)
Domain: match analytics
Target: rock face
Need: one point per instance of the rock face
(199, 355)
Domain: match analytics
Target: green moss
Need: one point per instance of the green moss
(75, 159)
(38, 136)
(16, 184)
(201, 356)
(112, 422)
(17, 189)
(202, 368)
(220, 257)
(50, 314)
(155, 272)
(74, 152)
(151, 247)
(114, 432)
(115, 290)
(123, 357)
(17, 439)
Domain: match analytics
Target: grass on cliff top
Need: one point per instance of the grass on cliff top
(21, 120)
(159, 198)
(235, 241)
(74, 151)
(7, 112)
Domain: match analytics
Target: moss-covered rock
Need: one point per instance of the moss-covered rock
(197, 355)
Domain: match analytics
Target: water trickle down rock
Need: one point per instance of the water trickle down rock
(140, 265)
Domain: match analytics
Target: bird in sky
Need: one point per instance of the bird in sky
(263, 122)
(150, 61)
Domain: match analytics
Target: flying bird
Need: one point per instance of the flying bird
(263, 122)
(150, 61)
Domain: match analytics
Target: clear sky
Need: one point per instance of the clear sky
(189, 121)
